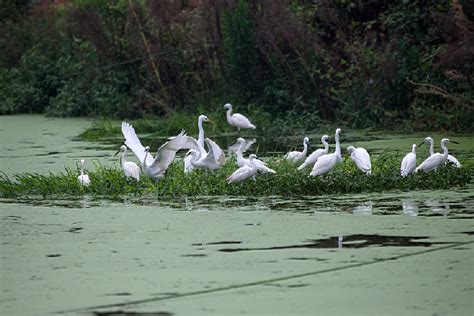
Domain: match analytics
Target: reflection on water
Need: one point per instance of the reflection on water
(454, 204)
(363, 209)
(437, 207)
(409, 208)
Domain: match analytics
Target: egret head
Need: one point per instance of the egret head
(122, 148)
(350, 149)
(324, 138)
(204, 118)
(252, 156)
(306, 140)
(228, 106)
(240, 140)
(338, 131)
(447, 140)
(427, 140)
(413, 147)
(147, 149)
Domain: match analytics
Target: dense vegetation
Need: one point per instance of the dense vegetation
(361, 63)
(288, 181)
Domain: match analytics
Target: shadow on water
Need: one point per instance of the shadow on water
(350, 241)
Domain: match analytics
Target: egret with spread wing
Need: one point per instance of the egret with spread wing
(210, 160)
(235, 146)
(156, 167)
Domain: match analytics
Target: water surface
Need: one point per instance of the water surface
(396, 253)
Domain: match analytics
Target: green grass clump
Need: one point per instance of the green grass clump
(288, 181)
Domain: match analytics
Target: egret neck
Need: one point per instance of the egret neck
(201, 134)
(325, 143)
(431, 145)
(82, 167)
(338, 146)
(305, 148)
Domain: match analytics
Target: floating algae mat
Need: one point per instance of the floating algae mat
(344, 244)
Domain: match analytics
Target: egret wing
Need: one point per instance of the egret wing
(132, 142)
(362, 159)
(235, 146)
(241, 118)
(215, 153)
(166, 153)
(453, 160)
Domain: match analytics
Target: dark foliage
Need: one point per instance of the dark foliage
(364, 64)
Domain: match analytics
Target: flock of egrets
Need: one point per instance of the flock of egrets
(212, 158)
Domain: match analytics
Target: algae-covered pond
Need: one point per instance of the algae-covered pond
(391, 253)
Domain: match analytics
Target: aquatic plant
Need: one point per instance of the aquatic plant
(345, 178)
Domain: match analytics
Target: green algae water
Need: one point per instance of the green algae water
(382, 253)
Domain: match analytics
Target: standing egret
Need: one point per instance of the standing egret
(130, 169)
(408, 162)
(249, 170)
(188, 167)
(211, 160)
(325, 163)
(156, 167)
(451, 159)
(311, 160)
(437, 159)
(361, 158)
(83, 178)
(298, 156)
(238, 120)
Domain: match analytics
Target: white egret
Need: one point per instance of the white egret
(249, 170)
(235, 146)
(238, 120)
(451, 159)
(311, 160)
(325, 163)
(437, 159)
(156, 167)
(241, 161)
(83, 178)
(361, 158)
(409, 162)
(188, 167)
(130, 169)
(211, 160)
(298, 156)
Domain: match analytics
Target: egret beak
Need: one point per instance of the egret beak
(454, 142)
(212, 122)
(419, 145)
(117, 152)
